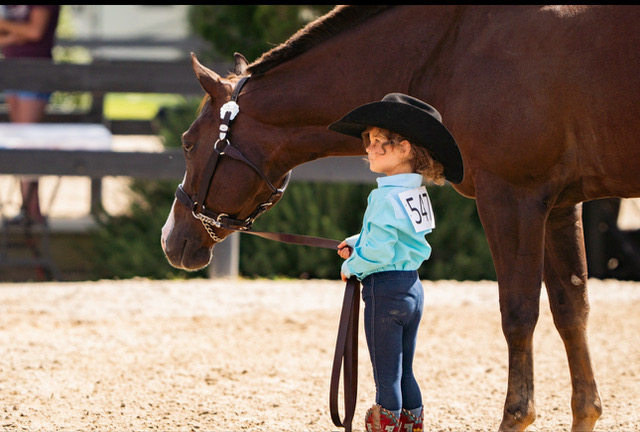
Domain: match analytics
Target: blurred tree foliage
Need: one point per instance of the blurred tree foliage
(249, 29)
(129, 245)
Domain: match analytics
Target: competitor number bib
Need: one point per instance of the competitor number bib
(417, 204)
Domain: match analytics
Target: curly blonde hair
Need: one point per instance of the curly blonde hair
(421, 159)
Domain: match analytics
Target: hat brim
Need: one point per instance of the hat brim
(414, 124)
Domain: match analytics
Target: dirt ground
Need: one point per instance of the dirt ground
(241, 355)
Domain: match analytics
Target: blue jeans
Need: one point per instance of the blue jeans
(27, 94)
(393, 304)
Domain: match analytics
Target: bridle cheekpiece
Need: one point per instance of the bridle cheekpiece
(222, 147)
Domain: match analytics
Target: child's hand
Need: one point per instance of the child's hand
(343, 250)
(343, 277)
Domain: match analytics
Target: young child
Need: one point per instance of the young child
(404, 139)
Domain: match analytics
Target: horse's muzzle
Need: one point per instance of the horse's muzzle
(183, 247)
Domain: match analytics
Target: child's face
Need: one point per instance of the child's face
(385, 158)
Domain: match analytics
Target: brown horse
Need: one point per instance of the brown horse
(544, 102)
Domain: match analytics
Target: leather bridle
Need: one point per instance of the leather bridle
(223, 147)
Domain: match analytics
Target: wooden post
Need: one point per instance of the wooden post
(226, 258)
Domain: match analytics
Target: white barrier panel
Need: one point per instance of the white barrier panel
(55, 136)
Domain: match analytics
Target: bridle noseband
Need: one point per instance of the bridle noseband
(209, 218)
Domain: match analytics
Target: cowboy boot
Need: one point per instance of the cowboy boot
(411, 423)
(378, 419)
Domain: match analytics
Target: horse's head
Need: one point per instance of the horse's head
(227, 183)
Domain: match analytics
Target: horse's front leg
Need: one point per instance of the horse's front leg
(514, 225)
(565, 274)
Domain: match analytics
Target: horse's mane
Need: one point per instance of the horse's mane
(339, 19)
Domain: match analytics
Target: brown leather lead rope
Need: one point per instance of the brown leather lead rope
(347, 351)
(297, 239)
(345, 357)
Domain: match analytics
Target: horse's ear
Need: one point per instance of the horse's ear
(241, 64)
(210, 81)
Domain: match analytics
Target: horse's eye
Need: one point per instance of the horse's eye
(187, 144)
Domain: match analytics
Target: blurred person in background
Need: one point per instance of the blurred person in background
(28, 31)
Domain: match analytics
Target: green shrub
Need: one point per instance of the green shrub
(315, 209)
(460, 248)
(128, 245)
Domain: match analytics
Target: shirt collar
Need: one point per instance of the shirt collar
(411, 180)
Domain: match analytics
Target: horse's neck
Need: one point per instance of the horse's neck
(297, 115)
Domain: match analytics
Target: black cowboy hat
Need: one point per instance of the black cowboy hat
(412, 118)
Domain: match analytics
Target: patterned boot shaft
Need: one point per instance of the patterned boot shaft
(411, 423)
(378, 419)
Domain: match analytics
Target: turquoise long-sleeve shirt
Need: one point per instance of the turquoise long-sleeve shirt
(388, 239)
